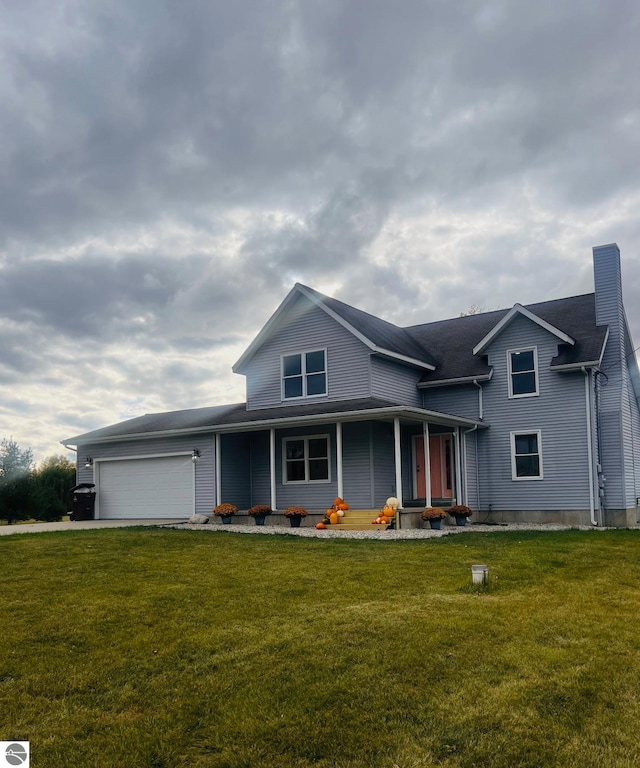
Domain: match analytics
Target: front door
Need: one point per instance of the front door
(440, 458)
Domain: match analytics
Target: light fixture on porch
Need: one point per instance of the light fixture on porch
(88, 462)
(195, 456)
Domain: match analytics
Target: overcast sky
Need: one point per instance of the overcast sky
(169, 169)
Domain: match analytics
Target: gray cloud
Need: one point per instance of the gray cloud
(167, 172)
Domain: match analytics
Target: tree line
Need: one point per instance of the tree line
(29, 492)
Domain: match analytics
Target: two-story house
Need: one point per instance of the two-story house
(524, 414)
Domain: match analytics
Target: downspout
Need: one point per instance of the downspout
(474, 428)
(480, 403)
(458, 457)
(587, 400)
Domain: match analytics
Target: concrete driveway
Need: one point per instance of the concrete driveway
(7, 530)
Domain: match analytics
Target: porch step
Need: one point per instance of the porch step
(359, 520)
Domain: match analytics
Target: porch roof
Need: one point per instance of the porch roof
(236, 418)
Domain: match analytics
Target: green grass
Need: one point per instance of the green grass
(166, 648)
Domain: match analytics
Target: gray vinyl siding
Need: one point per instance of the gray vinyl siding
(470, 468)
(558, 412)
(631, 416)
(357, 453)
(260, 476)
(235, 470)
(616, 438)
(307, 327)
(395, 382)
(383, 462)
(458, 400)
(407, 435)
(635, 445)
(205, 468)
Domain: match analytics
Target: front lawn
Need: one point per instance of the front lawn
(164, 648)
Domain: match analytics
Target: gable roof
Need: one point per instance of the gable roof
(452, 342)
(515, 311)
(380, 336)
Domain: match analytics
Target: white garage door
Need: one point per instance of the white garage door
(149, 488)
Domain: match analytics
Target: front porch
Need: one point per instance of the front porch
(362, 460)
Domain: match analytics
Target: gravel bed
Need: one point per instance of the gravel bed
(388, 535)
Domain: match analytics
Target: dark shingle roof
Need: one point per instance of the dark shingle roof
(382, 333)
(451, 342)
(202, 419)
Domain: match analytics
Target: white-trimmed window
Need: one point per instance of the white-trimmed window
(523, 372)
(306, 459)
(304, 374)
(526, 455)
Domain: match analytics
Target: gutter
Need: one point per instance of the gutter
(587, 400)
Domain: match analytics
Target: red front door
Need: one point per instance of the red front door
(440, 458)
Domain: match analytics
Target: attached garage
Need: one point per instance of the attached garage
(145, 488)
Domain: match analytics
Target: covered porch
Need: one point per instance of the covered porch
(362, 457)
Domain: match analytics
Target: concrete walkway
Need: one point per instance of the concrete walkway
(7, 530)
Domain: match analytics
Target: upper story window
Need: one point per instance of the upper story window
(304, 374)
(526, 455)
(523, 372)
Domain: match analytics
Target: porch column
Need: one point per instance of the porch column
(398, 457)
(458, 467)
(427, 465)
(339, 458)
(218, 471)
(272, 466)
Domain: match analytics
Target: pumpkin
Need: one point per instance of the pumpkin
(389, 511)
(320, 526)
(374, 522)
(384, 519)
(334, 518)
(340, 513)
(343, 506)
(337, 501)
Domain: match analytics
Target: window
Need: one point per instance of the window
(523, 372)
(306, 459)
(304, 375)
(526, 455)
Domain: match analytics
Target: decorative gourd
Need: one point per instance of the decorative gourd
(320, 526)
(340, 513)
(374, 522)
(334, 518)
(343, 506)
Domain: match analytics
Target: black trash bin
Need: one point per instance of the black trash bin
(83, 501)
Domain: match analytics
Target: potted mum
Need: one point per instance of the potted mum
(225, 512)
(435, 516)
(461, 512)
(259, 512)
(295, 515)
